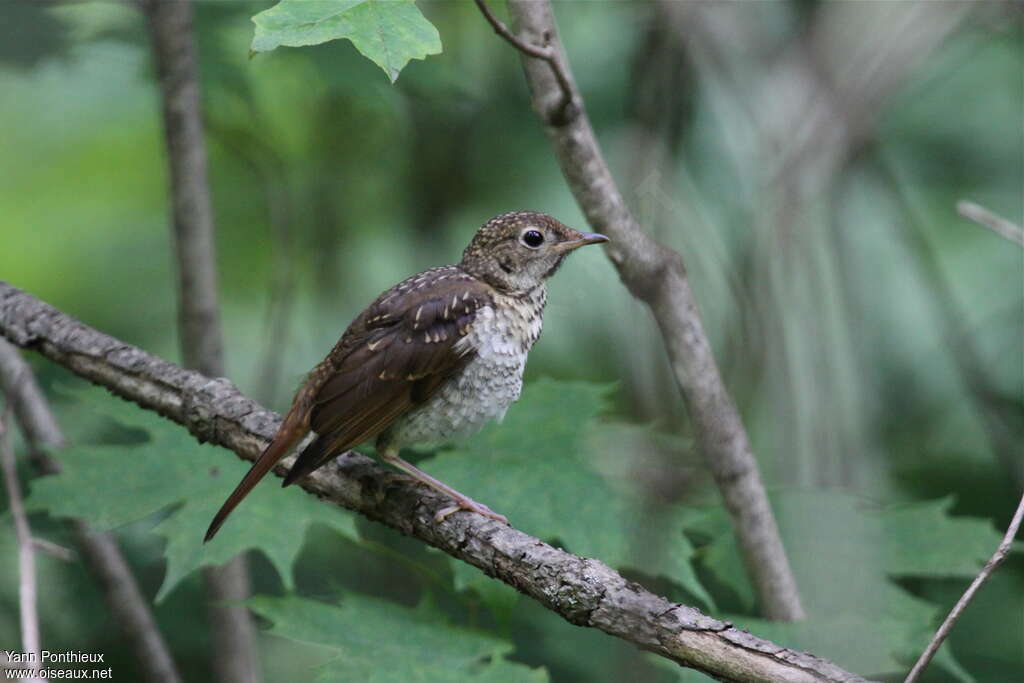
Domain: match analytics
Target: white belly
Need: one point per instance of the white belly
(487, 386)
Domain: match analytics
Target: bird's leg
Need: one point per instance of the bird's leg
(390, 456)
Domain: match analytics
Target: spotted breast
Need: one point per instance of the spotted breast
(500, 339)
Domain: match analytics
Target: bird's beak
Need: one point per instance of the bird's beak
(583, 240)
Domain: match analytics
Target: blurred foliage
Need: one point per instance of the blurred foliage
(557, 492)
(416, 645)
(842, 320)
(846, 553)
(168, 469)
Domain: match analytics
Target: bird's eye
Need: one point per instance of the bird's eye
(532, 238)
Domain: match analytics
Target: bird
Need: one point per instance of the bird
(431, 360)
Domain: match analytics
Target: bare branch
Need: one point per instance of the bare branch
(655, 274)
(102, 555)
(26, 400)
(127, 604)
(544, 53)
(174, 52)
(583, 591)
(62, 553)
(947, 625)
(26, 550)
(199, 331)
(987, 219)
(997, 417)
(566, 109)
(31, 410)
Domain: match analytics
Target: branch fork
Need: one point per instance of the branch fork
(569, 107)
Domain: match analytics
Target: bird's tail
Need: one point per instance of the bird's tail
(290, 433)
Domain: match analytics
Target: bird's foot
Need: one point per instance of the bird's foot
(472, 506)
(461, 502)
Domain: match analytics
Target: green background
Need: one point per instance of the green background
(832, 329)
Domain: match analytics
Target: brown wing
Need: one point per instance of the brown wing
(395, 356)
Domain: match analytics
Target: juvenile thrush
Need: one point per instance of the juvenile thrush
(432, 359)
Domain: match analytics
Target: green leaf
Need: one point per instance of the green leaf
(110, 485)
(922, 539)
(535, 468)
(870, 643)
(388, 32)
(378, 642)
(995, 653)
(888, 640)
(844, 552)
(910, 539)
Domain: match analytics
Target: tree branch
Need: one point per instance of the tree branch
(174, 52)
(566, 110)
(27, 592)
(655, 274)
(947, 625)
(100, 550)
(997, 416)
(985, 218)
(583, 591)
(170, 26)
(61, 552)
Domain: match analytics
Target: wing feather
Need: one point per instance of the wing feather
(395, 356)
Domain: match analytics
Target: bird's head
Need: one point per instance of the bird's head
(517, 251)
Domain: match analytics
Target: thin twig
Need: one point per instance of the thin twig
(1001, 552)
(985, 218)
(566, 110)
(583, 591)
(544, 53)
(26, 549)
(99, 550)
(62, 553)
(996, 416)
(174, 53)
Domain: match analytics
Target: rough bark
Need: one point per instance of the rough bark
(583, 591)
(655, 274)
(236, 657)
(100, 551)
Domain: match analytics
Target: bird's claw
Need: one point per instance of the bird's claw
(471, 506)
